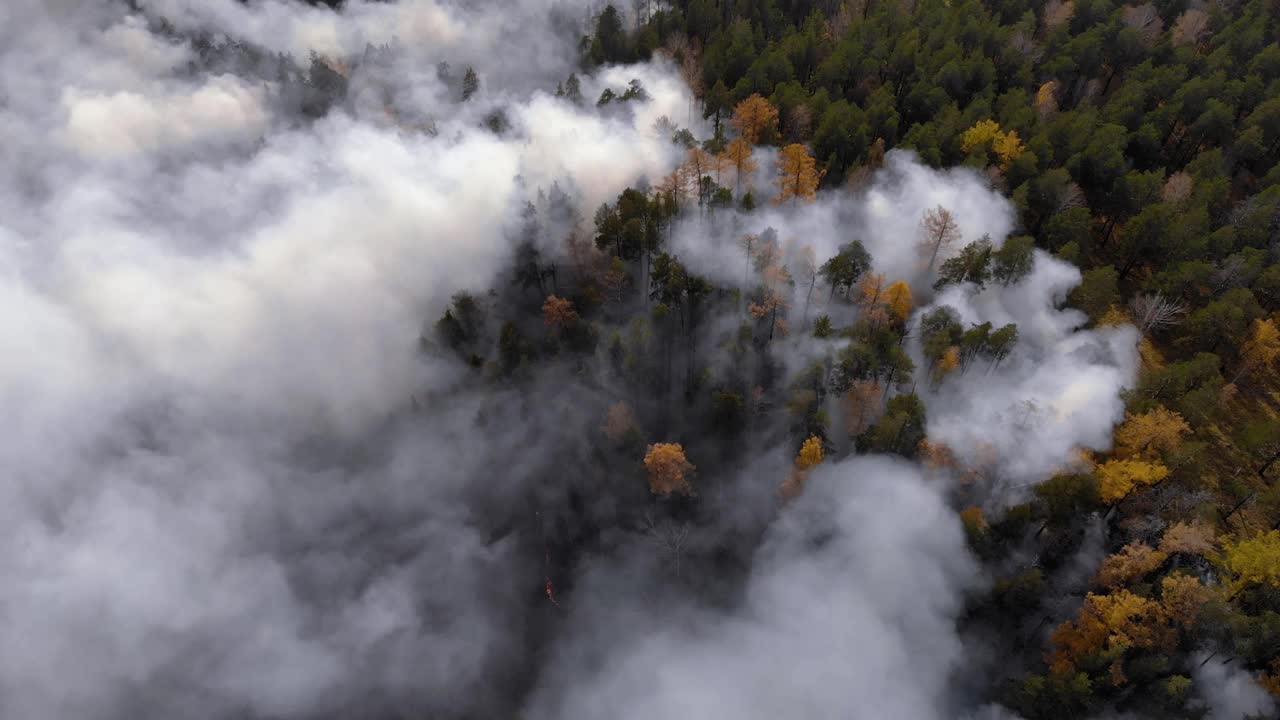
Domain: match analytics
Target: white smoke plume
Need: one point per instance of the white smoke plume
(849, 613)
(216, 501)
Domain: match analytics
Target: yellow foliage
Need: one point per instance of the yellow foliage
(668, 468)
(1114, 316)
(1183, 596)
(981, 135)
(797, 174)
(949, 361)
(810, 453)
(973, 519)
(1112, 624)
(1008, 148)
(871, 288)
(1132, 562)
(898, 297)
(1151, 433)
(753, 117)
(1255, 561)
(1263, 346)
(1117, 478)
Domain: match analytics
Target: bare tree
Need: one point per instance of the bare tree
(668, 537)
(938, 230)
(1155, 312)
(1144, 19)
(1190, 27)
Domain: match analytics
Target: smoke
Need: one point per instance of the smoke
(233, 487)
(1231, 693)
(1059, 389)
(849, 612)
(214, 502)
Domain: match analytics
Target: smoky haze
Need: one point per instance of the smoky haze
(235, 487)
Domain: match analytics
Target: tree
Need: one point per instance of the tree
(619, 422)
(1149, 434)
(1262, 348)
(737, 155)
(846, 267)
(810, 453)
(1134, 561)
(1182, 597)
(899, 301)
(1014, 260)
(1111, 624)
(558, 312)
(1253, 561)
(470, 84)
(797, 174)
(1097, 292)
(1118, 478)
(938, 231)
(669, 470)
(972, 265)
(1152, 313)
(1008, 147)
(1190, 539)
(755, 118)
(980, 136)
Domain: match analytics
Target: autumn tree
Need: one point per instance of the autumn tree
(1134, 561)
(862, 406)
(1261, 349)
(810, 456)
(1149, 434)
(737, 155)
(1183, 596)
(755, 118)
(1110, 625)
(1118, 478)
(898, 300)
(938, 231)
(619, 421)
(1253, 561)
(1189, 538)
(797, 174)
(558, 312)
(669, 470)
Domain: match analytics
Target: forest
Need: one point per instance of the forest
(703, 358)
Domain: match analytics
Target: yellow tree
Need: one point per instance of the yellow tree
(938, 230)
(1046, 101)
(797, 174)
(754, 118)
(1159, 430)
(898, 297)
(669, 469)
(1118, 478)
(1132, 562)
(737, 155)
(809, 456)
(1008, 148)
(810, 453)
(980, 136)
(1254, 561)
(1110, 624)
(1262, 348)
(1183, 596)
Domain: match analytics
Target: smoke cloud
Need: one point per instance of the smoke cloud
(234, 488)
